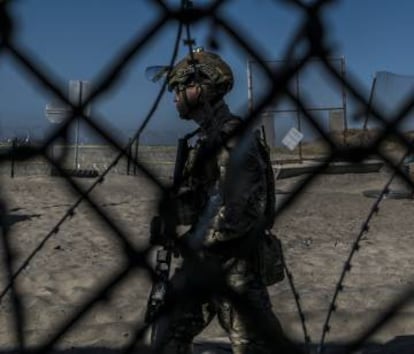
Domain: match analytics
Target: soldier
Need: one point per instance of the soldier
(224, 201)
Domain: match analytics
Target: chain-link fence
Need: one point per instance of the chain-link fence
(325, 100)
(134, 258)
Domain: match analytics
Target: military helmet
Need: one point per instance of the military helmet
(202, 66)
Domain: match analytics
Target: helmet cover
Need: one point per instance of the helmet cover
(202, 67)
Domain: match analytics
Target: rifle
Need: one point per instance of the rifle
(161, 237)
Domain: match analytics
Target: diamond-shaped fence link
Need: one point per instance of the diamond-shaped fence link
(133, 258)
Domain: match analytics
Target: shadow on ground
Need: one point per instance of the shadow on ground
(399, 345)
(11, 219)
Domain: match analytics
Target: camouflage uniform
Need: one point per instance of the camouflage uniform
(223, 201)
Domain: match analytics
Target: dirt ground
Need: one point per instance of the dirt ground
(317, 232)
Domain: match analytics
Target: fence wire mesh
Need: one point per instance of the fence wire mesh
(311, 32)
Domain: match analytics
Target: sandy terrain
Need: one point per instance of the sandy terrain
(317, 232)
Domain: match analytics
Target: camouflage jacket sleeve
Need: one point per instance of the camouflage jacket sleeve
(237, 202)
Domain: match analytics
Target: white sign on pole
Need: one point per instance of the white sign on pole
(292, 139)
(56, 113)
(79, 90)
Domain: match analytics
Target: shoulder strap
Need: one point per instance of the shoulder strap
(181, 158)
(270, 211)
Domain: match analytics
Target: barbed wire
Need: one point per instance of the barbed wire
(313, 32)
(302, 317)
(356, 246)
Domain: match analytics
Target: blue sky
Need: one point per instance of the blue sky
(78, 39)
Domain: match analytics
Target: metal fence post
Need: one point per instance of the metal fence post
(129, 156)
(13, 152)
(136, 155)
